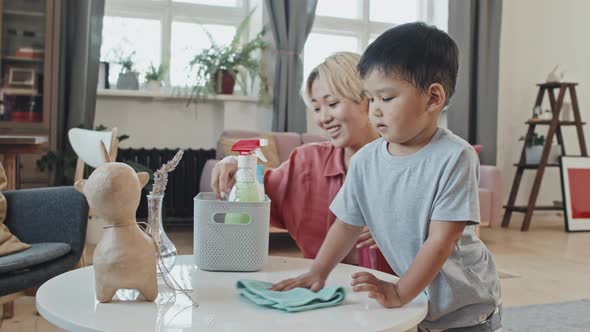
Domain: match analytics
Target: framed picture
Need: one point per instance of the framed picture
(575, 183)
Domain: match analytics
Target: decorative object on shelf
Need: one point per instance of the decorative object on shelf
(22, 107)
(546, 115)
(219, 66)
(128, 77)
(167, 250)
(30, 52)
(154, 77)
(23, 77)
(125, 257)
(534, 150)
(537, 111)
(566, 112)
(575, 181)
(554, 76)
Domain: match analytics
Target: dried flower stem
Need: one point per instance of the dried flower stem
(158, 189)
(161, 175)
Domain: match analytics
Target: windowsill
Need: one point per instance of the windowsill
(167, 94)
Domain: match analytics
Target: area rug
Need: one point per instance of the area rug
(573, 316)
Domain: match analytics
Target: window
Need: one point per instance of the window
(320, 45)
(125, 36)
(350, 25)
(187, 40)
(170, 32)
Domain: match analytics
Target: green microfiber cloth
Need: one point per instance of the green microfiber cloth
(294, 300)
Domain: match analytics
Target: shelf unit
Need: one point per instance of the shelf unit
(554, 130)
(30, 24)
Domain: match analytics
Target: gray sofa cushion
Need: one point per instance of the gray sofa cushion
(38, 253)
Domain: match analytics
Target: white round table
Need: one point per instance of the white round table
(69, 302)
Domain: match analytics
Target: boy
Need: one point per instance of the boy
(416, 188)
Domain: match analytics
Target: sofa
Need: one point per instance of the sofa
(490, 182)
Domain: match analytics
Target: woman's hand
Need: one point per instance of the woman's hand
(365, 239)
(222, 177)
(312, 280)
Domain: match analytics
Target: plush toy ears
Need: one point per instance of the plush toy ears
(79, 185)
(143, 177)
(105, 154)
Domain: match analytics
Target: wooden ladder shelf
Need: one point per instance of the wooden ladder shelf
(554, 130)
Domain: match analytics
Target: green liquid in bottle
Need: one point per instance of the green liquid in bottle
(245, 192)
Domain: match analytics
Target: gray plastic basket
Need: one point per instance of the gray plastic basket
(228, 247)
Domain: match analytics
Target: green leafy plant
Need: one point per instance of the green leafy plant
(127, 62)
(237, 59)
(68, 161)
(535, 139)
(156, 74)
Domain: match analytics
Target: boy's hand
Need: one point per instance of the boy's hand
(311, 280)
(384, 292)
(365, 239)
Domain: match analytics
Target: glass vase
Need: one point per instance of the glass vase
(167, 250)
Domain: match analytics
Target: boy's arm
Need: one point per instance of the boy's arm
(442, 238)
(338, 242)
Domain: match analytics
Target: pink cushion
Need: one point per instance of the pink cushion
(477, 148)
(235, 134)
(286, 142)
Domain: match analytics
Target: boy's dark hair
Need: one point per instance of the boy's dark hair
(418, 53)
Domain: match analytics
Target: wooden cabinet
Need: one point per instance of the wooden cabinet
(29, 65)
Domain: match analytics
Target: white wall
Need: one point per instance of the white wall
(169, 123)
(537, 35)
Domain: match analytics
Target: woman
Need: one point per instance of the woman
(303, 187)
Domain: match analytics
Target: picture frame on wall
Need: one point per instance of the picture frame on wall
(575, 183)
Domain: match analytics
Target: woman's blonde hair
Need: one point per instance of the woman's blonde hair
(339, 73)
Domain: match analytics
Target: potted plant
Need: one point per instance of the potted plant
(128, 77)
(534, 150)
(218, 66)
(154, 77)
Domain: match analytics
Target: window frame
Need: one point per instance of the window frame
(363, 28)
(168, 11)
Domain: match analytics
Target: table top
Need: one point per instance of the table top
(22, 139)
(68, 301)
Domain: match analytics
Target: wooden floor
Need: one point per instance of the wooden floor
(543, 265)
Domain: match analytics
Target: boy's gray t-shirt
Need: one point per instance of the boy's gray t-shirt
(397, 197)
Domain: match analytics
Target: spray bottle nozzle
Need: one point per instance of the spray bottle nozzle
(250, 146)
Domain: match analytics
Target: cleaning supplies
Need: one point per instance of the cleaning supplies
(247, 187)
(260, 178)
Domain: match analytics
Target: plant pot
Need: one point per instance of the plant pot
(152, 85)
(533, 154)
(128, 81)
(224, 83)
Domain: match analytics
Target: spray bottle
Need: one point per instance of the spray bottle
(247, 187)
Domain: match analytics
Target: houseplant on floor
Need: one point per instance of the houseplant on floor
(218, 66)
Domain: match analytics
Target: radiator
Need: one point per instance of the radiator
(183, 182)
